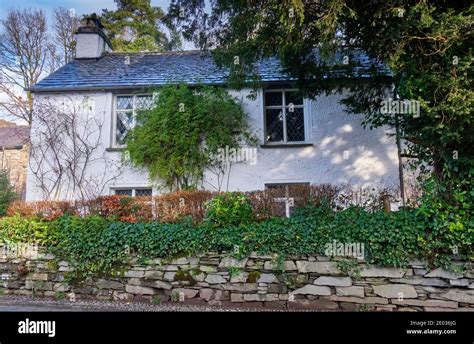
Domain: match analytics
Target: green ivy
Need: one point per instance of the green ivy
(95, 245)
(451, 221)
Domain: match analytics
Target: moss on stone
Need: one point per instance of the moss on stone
(196, 272)
(235, 271)
(52, 265)
(253, 276)
(59, 295)
(184, 276)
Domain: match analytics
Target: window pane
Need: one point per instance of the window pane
(289, 189)
(124, 103)
(123, 192)
(124, 124)
(279, 209)
(278, 190)
(274, 122)
(296, 98)
(273, 98)
(295, 125)
(144, 102)
(143, 192)
(298, 190)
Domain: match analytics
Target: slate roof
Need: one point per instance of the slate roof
(152, 69)
(14, 136)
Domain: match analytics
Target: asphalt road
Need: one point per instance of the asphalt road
(36, 308)
(26, 304)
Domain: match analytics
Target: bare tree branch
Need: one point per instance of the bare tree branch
(67, 159)
(23, 54)
(66, 24)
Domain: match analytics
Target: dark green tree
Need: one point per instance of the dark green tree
(183, 134)
(426, 44)
(7, 193)
(136, 25)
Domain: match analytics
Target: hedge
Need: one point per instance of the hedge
(95, 244)
(173, 207)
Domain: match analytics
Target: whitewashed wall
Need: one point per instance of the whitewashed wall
(371, 154)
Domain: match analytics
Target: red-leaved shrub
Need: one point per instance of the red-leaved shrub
(173, 207)
(48, 210)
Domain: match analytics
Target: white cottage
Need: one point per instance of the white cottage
(315, 143)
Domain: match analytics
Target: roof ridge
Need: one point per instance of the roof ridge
(175, 52)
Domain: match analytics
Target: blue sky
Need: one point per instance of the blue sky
(81, 6)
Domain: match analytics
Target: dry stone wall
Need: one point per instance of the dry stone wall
(311, 282)
(15, 161)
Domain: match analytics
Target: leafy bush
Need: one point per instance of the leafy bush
(173, 207)
(229, 209)
(18, 229)
(46, 210)
(7, 194)
(451, 221)
(369, 199)
(170, 207)
(98, 245)
(180, 137)
(121, 208)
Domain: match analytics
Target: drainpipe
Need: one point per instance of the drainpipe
(399, 149)
(400, 162)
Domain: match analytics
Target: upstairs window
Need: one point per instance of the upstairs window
(284, 116)
(126, 108)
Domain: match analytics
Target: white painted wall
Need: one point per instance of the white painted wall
(372, 154)
(90, 46)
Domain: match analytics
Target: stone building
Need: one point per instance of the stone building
(14, 150)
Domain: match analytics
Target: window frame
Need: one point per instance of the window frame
(287, 199)
(286, 185)
(114, 189)
(115, 111)
(284, 106)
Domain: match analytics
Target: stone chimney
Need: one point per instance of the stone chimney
(91, 40)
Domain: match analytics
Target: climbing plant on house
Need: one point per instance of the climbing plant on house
(185, 131)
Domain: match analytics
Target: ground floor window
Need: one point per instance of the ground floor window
(286, 194)
(133, 192)
(287, 189)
